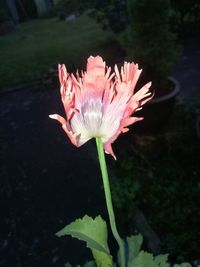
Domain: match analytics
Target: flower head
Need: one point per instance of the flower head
(98, 103)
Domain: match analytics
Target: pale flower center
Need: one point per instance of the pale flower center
(93, 121)
(92, 116)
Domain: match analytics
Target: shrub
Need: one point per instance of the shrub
(185, 17)
(111, 14)
(149, 40)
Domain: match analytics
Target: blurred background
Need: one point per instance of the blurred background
(45, 182)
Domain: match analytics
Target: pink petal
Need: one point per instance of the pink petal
(130, 120)
(108, 149)
(58, 118)
(100, 103)
(96, 65)
(66, 128)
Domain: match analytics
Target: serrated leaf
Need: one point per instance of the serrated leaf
(102, 259)
(132, 248)
(144, 259)
(92, 231)
(134, 245)
(161, 260)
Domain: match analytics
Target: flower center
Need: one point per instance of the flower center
(88, 119)
(92, 115)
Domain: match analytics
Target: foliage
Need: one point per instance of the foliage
(135, 256)
(134, 244)
(123, 191)
(185, 17)
(149, 40)
(111, 14)
(166, 166)
(94, 233)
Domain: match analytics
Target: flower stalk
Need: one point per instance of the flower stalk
(108, 198)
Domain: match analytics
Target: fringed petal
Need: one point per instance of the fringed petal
(96, 66)
(108, 149)
(130, 120)
(100, 103)
(62, 74)
(95, 71)
(72, 136)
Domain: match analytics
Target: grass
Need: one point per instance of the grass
(40, 44)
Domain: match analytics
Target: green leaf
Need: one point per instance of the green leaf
(137, 258)
(134, 245)
(92, 231)
(161, 260)
(143, 259)
(102, 259)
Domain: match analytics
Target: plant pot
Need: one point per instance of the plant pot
(157, 112)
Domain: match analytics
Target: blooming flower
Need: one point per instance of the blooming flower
(98, 103)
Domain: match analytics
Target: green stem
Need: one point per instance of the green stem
(111, 214)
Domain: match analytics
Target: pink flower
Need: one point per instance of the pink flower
(98, 103)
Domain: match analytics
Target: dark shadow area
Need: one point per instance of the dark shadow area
(45, 183)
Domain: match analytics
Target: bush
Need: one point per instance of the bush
(185, 17)
(111, 14)
(149, 40)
